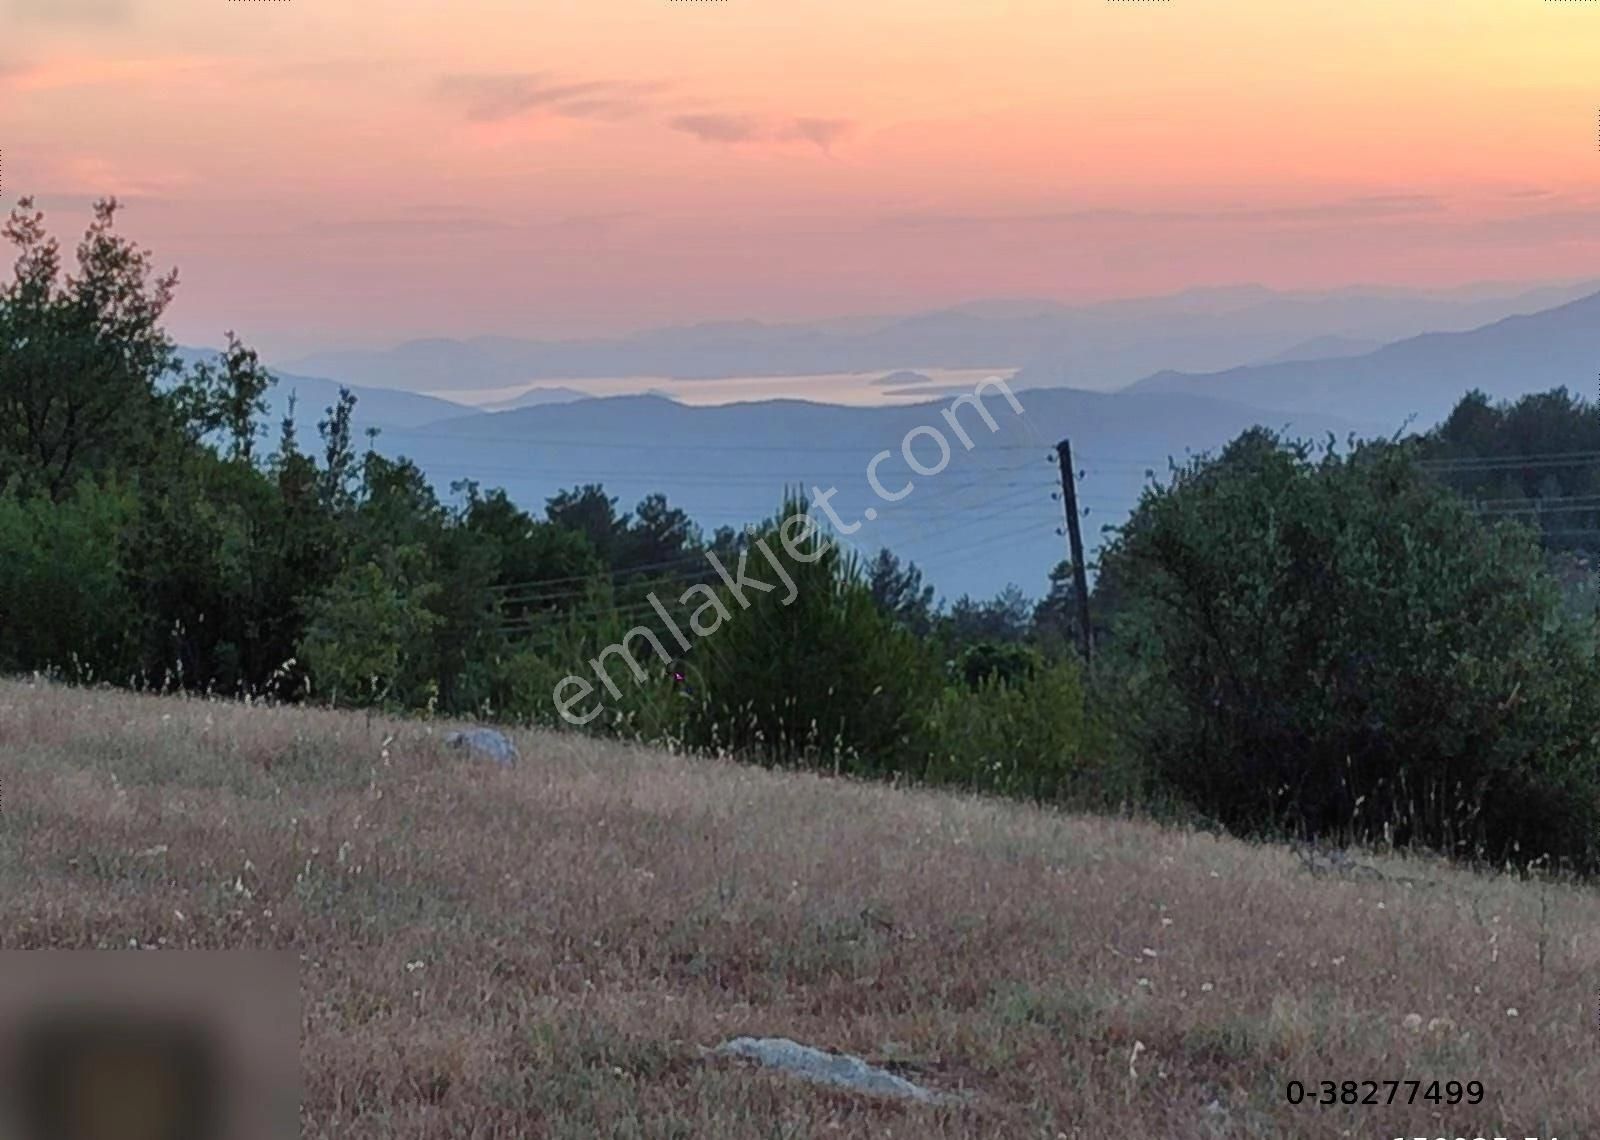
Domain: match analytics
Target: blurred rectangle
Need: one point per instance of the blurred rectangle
(149, 1045)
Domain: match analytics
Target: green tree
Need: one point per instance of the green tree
(64, 604)
(1007, 617)
(1026, 735)
(527, 550)
(658, 533)
(230, 399)
(899, 592)
(1524, 460)
(823, 677)
(340, 472)
(1339, 646)
(83, 356)
(363, 630)
(1009, 663)
(593, 514)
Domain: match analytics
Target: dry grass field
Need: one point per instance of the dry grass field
(545, 951)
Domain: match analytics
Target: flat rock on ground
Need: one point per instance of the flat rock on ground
(487, 742)
(838, 1069)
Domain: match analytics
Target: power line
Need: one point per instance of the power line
(1508, 512)
(613, 574)
(1511, 463)
(508, 591)
(1533, 503)
(982, 543)
(985, 540)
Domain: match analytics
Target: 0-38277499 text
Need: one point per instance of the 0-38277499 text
(1327, 1093)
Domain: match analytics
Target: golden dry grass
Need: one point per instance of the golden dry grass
(544, 951)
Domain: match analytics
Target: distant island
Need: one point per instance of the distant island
(903, 377)
(536, 396)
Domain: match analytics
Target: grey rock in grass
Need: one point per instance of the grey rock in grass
(487, 742)
(838, 1069)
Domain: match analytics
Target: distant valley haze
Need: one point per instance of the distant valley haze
(726, 448)
(1098, 347)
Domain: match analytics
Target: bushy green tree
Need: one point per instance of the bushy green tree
(593, 514)
(228, 400)
(196, 567)
(900, 593)
(984, 661)
(1026, 735)
(658, 533)
(1525, 460)
(1006, 618)
(64, 604)
(1340, 646)
(648, 702)
(364, 630)
(812, 673)
(83, 356)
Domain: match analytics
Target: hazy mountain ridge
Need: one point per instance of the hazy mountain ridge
(1100, 346)
(375, 406)
(730, 464)
(988, 518)
(1331, 347)
(1423, 376)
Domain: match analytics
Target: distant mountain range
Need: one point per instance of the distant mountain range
(990, 517)
(1330, 347)
(1101, 346)
(1422, 376)
(375, 407)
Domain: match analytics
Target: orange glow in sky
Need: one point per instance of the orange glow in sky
(341, 172)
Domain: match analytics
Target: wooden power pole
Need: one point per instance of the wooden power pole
(1080, 575)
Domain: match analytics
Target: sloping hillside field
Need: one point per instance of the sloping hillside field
(559, 948)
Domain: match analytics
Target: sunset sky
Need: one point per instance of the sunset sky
(356, 172)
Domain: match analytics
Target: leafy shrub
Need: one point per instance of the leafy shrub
(1340, 646)
(364, 629)
(648, 705)
(1009, 663)
(63, 603)
(1031, 736)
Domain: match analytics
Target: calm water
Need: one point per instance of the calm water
(859, 388)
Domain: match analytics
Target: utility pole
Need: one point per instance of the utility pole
(1080, 575)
